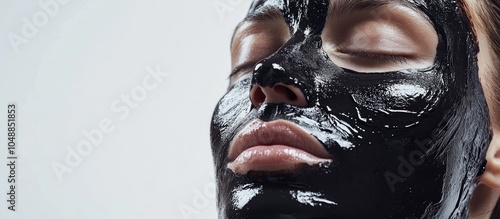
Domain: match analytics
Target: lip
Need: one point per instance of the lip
(274, 146)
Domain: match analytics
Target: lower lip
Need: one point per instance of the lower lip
(272, 158)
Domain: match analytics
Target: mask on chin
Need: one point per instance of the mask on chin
(404, 143)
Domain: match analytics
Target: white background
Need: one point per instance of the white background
(65, 76)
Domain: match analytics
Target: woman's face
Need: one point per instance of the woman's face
(350, 109)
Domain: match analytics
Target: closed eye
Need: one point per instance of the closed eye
(241, 70)
(400, 59)
(256, 38)
(366, 41)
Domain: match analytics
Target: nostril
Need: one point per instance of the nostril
(258, 97)
(279, 93)
(286, 91)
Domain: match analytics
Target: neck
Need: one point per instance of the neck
(483, 202)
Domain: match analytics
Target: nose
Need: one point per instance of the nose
(268, 88)
(279, 93)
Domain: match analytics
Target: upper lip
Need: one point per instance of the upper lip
(279, 132)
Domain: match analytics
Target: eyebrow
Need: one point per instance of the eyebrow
(341, 8)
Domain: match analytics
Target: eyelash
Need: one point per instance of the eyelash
(393, 58)
(247, 67)
(240, 71)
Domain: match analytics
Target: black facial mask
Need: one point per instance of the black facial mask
(405, 144)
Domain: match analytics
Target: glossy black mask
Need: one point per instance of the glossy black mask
(406, 144)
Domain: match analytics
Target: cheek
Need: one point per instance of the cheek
(397, 105)
(389, 100)
(398, 97)
(231, 110)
